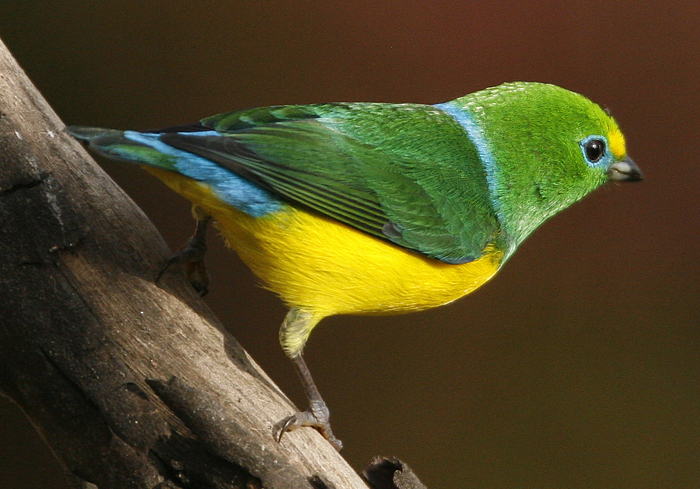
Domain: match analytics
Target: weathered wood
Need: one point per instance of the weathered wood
(131, 383)
(390, 473)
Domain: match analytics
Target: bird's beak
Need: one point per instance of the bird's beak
(625, 171)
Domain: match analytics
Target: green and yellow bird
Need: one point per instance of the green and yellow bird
(375, 208)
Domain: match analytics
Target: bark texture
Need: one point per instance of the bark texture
(132, 383)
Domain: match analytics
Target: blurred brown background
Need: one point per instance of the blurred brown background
(578, 366)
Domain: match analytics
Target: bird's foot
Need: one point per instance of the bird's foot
(192, 258)
(318, 417)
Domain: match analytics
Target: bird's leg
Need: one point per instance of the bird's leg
(192, 255)
(295, 330)
(318, 414)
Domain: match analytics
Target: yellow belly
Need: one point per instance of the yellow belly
(315, 263)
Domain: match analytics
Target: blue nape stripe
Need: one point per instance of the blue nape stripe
(226, 185)
(200, 133)
(476, 135)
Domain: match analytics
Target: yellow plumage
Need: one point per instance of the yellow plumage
(325, 268)
(617, 142)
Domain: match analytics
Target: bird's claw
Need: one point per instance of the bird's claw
(316, 417)
(195, 268)
(192, 257)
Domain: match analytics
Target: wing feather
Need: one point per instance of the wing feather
(405, 173)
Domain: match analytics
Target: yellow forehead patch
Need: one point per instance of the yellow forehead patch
(617, 143)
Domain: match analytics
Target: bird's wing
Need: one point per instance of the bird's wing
(406, 173)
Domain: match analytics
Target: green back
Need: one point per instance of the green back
(406, 173)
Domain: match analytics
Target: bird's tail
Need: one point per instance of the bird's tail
(147, 149)
(141, 148)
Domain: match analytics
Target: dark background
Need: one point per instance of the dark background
(577, 367)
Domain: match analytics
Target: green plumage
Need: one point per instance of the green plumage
(534, 132)
(443, 180)
(345, 161)
(467, 180)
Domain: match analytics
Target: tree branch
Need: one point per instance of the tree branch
(131, 383)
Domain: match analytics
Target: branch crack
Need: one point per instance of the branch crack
(26, 183)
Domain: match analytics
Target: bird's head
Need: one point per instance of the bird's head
(548, 147)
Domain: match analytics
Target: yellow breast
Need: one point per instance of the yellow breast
(318, 264)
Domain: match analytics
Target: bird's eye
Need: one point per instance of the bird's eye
(595, 149)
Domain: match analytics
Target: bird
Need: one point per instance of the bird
(379, 208)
